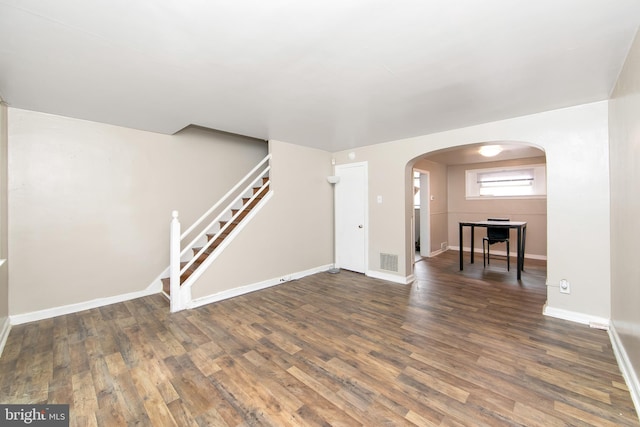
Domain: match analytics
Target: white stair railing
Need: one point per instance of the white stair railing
(216, 220)
(180, 296)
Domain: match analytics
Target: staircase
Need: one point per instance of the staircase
(190, 260)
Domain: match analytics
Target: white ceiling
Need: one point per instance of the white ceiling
(331, 74)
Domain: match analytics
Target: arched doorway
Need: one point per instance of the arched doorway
(436, 216)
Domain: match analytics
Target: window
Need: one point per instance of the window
(517, 181)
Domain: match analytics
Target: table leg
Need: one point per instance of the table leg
(524, 240)
(460, 242)
(472, 244)
(519, 251)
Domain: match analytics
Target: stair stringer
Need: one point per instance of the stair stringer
(185, 289)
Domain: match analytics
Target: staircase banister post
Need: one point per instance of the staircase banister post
(174, 263)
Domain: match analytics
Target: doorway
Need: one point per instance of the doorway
(421, 205)
(450, 201)
(351, 217)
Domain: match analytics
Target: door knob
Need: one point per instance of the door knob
(360, 226)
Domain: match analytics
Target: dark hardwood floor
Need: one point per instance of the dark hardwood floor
(453, 349)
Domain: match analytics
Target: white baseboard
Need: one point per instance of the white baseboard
(500, 253)
(438, 252)
(573, 316)
(626, 367)
(154, 288)
(624, 363)
(198, 302)
(5, 328)
(48, 313)
(391, 277)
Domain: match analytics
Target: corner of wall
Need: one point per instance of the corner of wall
(4, 272)
(624, 362)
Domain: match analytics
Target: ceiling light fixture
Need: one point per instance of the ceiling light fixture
(490, 150)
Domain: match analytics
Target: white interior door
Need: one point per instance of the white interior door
(351, 217)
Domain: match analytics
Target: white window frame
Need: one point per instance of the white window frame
(538, 182)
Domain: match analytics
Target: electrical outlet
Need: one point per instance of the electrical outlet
(565, 288)
(443, 246)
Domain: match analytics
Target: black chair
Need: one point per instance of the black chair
(495, 235)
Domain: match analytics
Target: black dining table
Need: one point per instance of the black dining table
(520, 226)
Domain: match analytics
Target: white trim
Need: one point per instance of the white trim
(391, 277)
(230, 293)
(336, 171)
(538, 182)
(48, 313)
(573, 316)
(4, 333)
(628, 373)
(438, 252)
(226, 197)
(501, 253)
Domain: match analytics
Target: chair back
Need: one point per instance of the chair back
(497, 233)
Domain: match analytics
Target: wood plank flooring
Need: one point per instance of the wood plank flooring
(453, 349)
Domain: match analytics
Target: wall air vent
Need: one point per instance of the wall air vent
(389, 262)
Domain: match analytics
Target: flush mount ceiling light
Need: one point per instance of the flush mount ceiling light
(490, 150)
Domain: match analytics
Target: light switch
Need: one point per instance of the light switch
(379, 199)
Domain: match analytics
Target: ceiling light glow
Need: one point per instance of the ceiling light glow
(490, 150)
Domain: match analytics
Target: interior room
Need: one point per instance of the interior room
(209, 212)
(447, 203)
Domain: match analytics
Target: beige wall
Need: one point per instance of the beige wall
(624, 128)
(575, 141)
(90, 203)
(293, 232)
(4, 268)
(533, 211)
